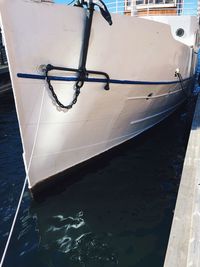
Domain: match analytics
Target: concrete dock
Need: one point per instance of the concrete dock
(184, 241)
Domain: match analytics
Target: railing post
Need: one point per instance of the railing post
(116, 6)
(133, 8)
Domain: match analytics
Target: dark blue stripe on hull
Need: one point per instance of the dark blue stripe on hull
(96, 80)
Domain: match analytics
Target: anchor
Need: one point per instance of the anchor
(82, 72)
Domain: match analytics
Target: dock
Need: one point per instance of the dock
(3, 57)
(184, 241)
(5, 88)
(3, 69)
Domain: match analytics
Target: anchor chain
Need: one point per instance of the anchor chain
(79, 83)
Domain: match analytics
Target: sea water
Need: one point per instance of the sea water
(117, 213)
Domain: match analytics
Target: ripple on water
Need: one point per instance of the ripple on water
(118, 213)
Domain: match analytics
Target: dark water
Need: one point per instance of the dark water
(118, 214)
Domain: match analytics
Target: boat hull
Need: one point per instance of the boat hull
(140, 56)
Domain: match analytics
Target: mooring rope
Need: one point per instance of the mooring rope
(25, 182)
(13, 223)
(179, 76)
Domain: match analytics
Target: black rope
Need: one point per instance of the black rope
(104, 12)
(101, 5)
(71, 2)
(79, 3)
(179, 76)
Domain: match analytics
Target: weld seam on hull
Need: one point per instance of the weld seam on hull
(157, 114)
(116, 138)
(121, 142)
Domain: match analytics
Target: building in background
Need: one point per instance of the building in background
(160, 7)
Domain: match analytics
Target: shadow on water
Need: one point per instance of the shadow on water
(119, 211)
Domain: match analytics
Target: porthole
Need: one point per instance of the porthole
(180, 32)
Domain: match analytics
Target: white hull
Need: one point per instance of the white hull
(131, 50)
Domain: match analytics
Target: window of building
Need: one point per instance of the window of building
(155, 2)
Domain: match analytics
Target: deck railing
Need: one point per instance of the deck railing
(154, 7)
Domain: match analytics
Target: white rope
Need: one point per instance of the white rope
(24, 186)
(13, 224)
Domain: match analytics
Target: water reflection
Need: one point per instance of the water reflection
(115, 229)
(72, 236)
(118, 214)
(63, 233)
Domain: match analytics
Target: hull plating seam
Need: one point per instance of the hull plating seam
(157, 114)
(130, 136)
